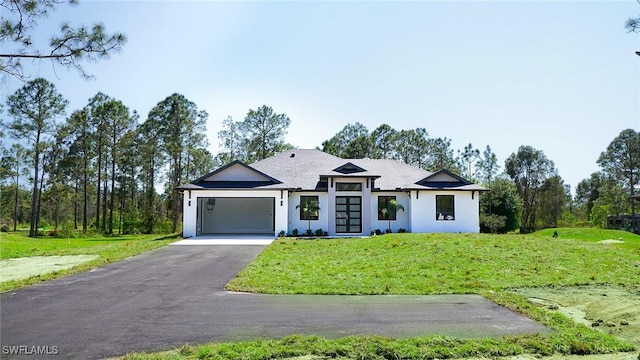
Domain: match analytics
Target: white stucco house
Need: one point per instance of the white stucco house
(267, 197)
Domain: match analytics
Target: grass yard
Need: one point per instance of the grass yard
(108, 249)
(437, 264)
(631, 240)
(492, 265)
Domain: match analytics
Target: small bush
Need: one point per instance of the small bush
(388, 231)
(163, 227)
(53, 233)
(319, 232)
(295, 232)
(132, 226)
(378, 232)
(281, 233)
(4, 228)
(308, 232)
(494, 224)
(402, 230)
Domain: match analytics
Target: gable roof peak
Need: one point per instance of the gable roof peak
(236, 171)
(349, 168)
(444, 178)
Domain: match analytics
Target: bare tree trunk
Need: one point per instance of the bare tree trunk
(176, 196)
(15, 202)
(151, 197)
(98, 185)
(33, 225)
(85, 194)
(113, 182)
(39, 202)
(104, 202)
(634, 222)
(75, 205)
(122, 203)
(57, 215)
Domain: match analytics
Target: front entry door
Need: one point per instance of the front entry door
(348, 214)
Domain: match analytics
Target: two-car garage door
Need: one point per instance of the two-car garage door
(228, 215)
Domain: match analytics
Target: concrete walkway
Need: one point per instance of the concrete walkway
(174, 295)
(227, 240)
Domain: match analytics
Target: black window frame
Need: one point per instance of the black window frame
(303, 201)
(446, 212)
(384, 200)
(349, 186)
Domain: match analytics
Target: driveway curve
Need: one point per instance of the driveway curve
(175, 295)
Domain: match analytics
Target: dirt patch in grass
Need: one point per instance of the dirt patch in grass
(610, 241)
(25, 267)
(612, 310)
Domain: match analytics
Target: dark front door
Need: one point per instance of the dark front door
(348, 214)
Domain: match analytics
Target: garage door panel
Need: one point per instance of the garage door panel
(238, 216)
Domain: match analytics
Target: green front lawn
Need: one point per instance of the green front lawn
(108, 248)
(436, 264)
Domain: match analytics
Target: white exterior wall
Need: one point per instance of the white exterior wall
(402, 217)
(419, 215)
(190, 205)
(423, 212)
(189, 214)
(303, 225)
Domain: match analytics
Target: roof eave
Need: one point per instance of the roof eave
(355, 175)
(463, 188)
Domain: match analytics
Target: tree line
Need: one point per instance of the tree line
(98, 168)
(101, 168)
(527, 193)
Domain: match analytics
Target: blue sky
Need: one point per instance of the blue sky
(560, 76)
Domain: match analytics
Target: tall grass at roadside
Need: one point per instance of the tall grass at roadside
(376, 347)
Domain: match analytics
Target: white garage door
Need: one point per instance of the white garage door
(224, 215)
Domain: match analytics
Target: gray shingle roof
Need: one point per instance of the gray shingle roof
(305, 168)
(302, 168)
(299, 168)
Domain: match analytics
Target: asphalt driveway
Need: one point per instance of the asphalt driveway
(174, 295)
